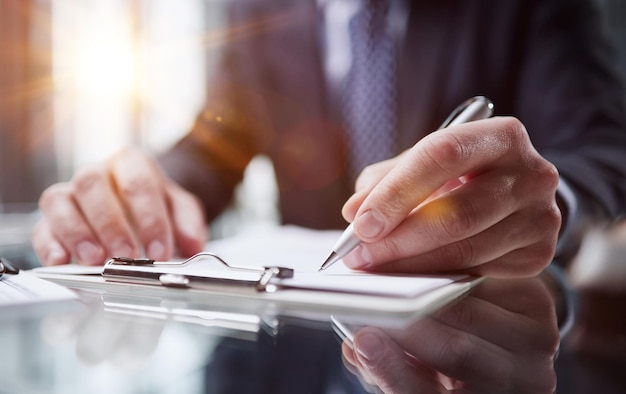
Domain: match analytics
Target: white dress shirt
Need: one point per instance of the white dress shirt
(335, 36)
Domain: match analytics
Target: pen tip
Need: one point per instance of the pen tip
(328, 262)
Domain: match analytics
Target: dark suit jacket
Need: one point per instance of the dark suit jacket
(547, 62)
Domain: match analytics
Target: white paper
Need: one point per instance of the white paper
(298, 248)
(387, 285)
(304, 250)
(286, 246)
(25, 288)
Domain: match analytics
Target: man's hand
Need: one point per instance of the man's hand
(118, 208)
(473, 198)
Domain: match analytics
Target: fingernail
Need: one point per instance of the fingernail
(90, 253)
(370, 224)
(156, 249)
(369, 346)
(122, 249)
(55, 256)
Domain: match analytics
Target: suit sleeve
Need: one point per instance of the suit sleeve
(571, 91)
(232, 127)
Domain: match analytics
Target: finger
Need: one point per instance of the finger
(140, 186)
(449, 154)
(348, 353)
(365, 182)
(476, 361)
(48, 250)
(190, 228)
(388, 366)
(457, 354)
(374, 173)
(353, 366)
(523, 248)
(458, 214)
(98, 201)
(68, 227)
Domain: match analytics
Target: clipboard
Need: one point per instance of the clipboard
(22, 293)
(203, 271)
(208, 279)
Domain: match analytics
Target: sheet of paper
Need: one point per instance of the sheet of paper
(25, 288)
(304, 250)
(386, 285)
(288, 246)
(292, 247)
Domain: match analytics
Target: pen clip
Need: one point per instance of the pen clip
(475, 108)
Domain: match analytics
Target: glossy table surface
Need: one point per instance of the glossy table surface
(503, 336)
(514, 335)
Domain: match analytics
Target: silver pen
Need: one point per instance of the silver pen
(475, 108)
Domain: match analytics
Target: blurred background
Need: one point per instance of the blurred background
(79, 79)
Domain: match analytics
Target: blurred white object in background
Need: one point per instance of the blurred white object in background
(601, 261)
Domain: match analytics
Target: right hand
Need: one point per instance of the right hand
(118, 208)
(503, 337)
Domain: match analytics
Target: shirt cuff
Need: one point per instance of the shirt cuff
(569, 237)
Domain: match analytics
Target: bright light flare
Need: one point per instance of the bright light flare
(105, 67)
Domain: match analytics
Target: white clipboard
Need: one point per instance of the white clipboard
(269, 290)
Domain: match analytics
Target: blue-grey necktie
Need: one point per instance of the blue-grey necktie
(369, 100)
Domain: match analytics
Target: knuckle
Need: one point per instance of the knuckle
(391, 249)
(537, 258)
(548, 219)
(515, 131)
(547, 174)
(544, 252)
(54, 193)
(397, 197)
(105, 223)
(87, 179)
(152, 225)
(446, 152)
(366, 173)
(134, 186)
(552, 217)
(456, 220)
(461, 254)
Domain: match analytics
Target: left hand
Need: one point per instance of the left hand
(474, 198)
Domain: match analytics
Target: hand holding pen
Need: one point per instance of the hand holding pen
(474, 197)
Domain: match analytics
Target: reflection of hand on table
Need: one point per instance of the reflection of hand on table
(101, 336)
(503, 337)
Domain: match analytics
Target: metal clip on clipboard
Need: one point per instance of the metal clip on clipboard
(202, 271)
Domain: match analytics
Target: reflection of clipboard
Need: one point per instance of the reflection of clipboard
(272, 291)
